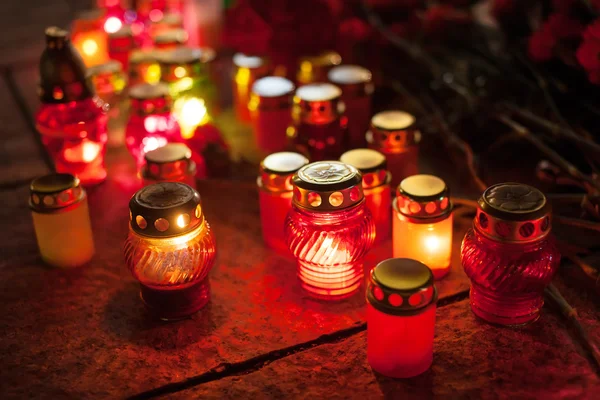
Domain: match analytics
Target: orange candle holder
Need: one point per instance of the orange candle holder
(61, 220)
(275, 195)
(394, 134)
(314, 68)
(170, 163)
(357, 90)
(401, 304)
(89, 38)
(422, 223)
(376, 187)
(246, 70)
(170, 249)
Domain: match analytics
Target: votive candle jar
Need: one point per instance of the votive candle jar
(71, 119)
(357, 90)
(61, 220)
(376, 187)
(271, 112)
(120, 45)
(329, 229)
(89, 37)
(170, 39)
(422, 223)
(394, 134)
(167, 223)
(510, 255)
(170, 163)
(151, 124)
(275, 195)
(319, 124)
(247, 69)
(109, 82)
(401, 305)
(144, 67)
(314, 68)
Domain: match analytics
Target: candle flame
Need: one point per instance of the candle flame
(432, 243)
(180, 221)
(90, 47)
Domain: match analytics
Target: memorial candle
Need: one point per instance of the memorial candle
(246, 70)
(89, 37)
(170, 163)
(314, 69)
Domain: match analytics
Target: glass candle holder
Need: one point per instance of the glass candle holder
(401, 304)
(246, 70)
(509, 254)
(329, 229)
(170, 39)
(357, 89)
(423, 223)
(109, 82)
(170, 163)
(313, 69)
(71, 119)
(143, 67)
(89, 38)
(170, 249)
(120, 45)
(376, 187)
(271, 112)
(61, 220)
(394, 134)
(275, 195)
(151, 124)
(319, 127)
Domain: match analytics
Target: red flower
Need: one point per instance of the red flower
(355, 29)
(588, 53)
(557, 27)
(439, 17)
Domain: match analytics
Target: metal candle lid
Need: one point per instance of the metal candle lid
(144, 56)
(353, 79)
(171, 161)
(55, 193)
(175, 37)
(318, 103)
(271, 93)
(62, 72)
(108, 78)
(371, 164)
(513, 212)
(327, 186)
(184, 62)
(401, 286)
(277, 169)
(165, 209)
(315, 68)
(147, 99)
(251, 62)
(423, 199)
(393, 131)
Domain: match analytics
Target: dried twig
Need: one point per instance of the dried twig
(578, 223)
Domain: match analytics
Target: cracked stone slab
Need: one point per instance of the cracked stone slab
(472, 359)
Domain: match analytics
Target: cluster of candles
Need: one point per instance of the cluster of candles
(324, 206)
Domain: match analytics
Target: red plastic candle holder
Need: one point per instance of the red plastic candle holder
(72, 119)
(320, 127)
(271, 112)
(329, 229)
(394, 134)
(376, 187)
(401, 304)
(357, 89)
(314, 68)
(151, 124)
(423, 223)
(170, 163)
(275, 195)
(167, 223)
(246, 70)
(509, 254)
(120, 45)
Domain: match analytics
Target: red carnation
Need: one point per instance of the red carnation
(588, 53)
(557, 27)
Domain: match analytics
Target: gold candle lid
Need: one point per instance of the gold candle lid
(271, 93)
(371, 164)
(393, 131)
(401, 286)
(143, 56)
(423, 199)
(352, 79)
(184, 62)
(315, 68)
(318, 103)
(177, 37)
(327, 186)
(513, 212)
(277, 169)
(257, 64)
(170, 161)
(55, 193)
(165, 209)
